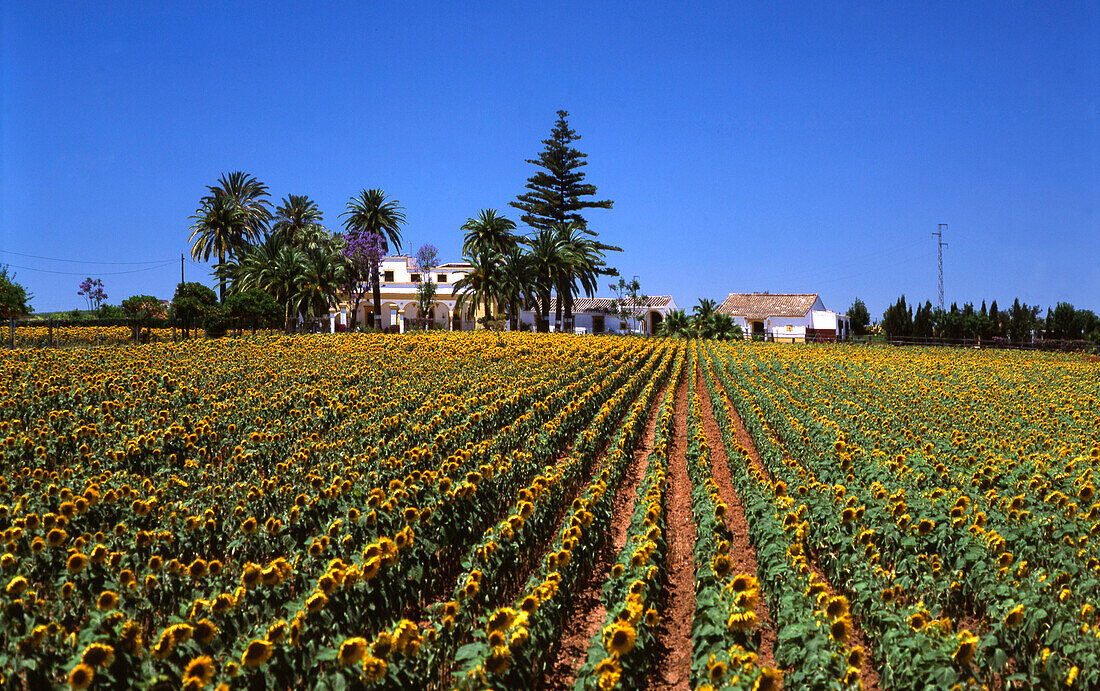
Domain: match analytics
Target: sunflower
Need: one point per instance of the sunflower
(129, 638)
(501, 619)
(56, 537)
(107, 600)
(373, 668)
(741, 621)
(98, 655)
(257, 653)
(316, 602)
(836, 607)
(250, 525)
(205, 630)
(200, 668)
(1072, 676)
(1014, 617)
(721, 565)
(352, 651)
(716, 670)
(81, 677)
(968, 645)
(855, 657)
(499, 660)
(769, 679)
(619, 637)
(251, 574)
(77, 563)
(841, 629)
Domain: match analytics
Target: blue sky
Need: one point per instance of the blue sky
(783, 147)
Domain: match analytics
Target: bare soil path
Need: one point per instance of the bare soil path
(673, 670)
(741, 552)
(588, 612)
(867, 673)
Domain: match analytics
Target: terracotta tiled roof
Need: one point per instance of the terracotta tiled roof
(764, 305)
(604, 305)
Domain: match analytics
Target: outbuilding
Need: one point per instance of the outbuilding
(785, 317)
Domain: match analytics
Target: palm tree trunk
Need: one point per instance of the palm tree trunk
(221, 281)
(557, 311)
(568, 313)
(377, 300)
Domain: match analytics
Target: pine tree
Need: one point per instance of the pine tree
(555, 193)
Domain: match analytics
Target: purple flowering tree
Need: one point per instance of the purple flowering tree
(427, 258)
(92, 291)
(362, 254)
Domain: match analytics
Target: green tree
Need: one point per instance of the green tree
(515, 285)
(190, 303)
(487, 237)
(252, 308)
(629, 300)
(897, 320)
(298, 221)
(13, 296)
(702, 319)
(676, 324)
(427, 258)
(859, 317)
(322, 275)
(547, 253)
(235, 214)
(480, 285)
(557, 193)
(281, 278)
(142, 310)
(371, 213)
(579, 270)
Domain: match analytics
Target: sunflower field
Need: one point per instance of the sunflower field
(426, 511)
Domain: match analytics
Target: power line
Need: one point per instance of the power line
(85, 273)
(81, 261)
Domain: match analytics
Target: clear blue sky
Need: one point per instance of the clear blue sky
(747, 147)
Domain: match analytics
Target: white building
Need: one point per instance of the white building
(598, 316)
(785, 317)
(398, 290)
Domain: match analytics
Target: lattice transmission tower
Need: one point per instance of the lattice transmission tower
(939, 246)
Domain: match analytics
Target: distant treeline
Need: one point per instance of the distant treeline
(1021, 323)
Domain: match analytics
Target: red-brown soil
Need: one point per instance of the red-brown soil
(741, 552)
(588, 612)
(674, 631)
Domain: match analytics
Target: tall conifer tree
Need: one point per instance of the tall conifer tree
(556, 193)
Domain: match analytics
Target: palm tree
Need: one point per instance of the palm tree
(581, 262)
(724, 327)
(481, 284)
(548, 252)
(218, 228)
(298, 221)
(232, 216)
(703, 317)
(515, 286)
(370, 213)
(676, 323)
(282, 279)
(488, 233)
(321, 277)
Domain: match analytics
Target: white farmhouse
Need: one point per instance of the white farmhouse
(785, 317)
(598, 315)
(399, 277)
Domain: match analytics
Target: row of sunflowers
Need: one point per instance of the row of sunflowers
(950, 496)
(287, 511)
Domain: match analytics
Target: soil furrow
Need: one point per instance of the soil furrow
(673, 670)
(741, 551)
(867, 673)
(588, 612)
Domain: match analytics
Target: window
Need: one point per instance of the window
(415, 278)
(387, 277)
(441, 278)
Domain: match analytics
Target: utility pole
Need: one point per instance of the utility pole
(939, 246)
